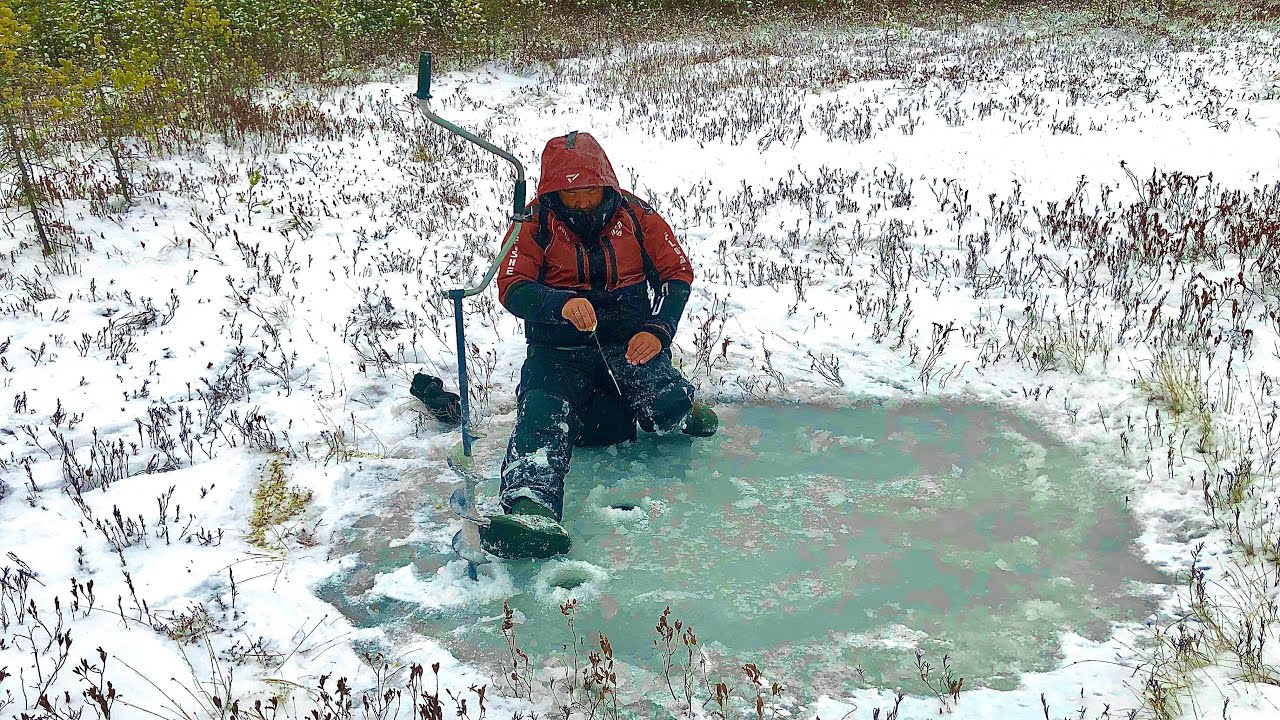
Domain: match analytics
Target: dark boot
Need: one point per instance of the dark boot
(530, 530)
(701, 421)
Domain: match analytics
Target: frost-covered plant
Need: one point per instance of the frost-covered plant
(275, 504)
(1175, 381)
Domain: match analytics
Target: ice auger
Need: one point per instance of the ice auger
(463, 500)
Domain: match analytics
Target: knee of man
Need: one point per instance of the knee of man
(542, 405)
(544, 419)
(670, 406)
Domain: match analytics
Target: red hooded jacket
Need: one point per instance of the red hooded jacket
(635, 251)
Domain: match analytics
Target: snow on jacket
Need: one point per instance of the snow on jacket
(633, 252)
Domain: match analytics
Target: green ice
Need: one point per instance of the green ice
(827, 545)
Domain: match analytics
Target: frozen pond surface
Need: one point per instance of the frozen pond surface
(826, 545)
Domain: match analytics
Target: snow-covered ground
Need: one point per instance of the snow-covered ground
(927, 228)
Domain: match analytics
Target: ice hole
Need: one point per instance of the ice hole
(827, 545)
(568, 577)
(570, 582)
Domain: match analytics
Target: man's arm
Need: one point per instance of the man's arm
(675, 276)
(518, 288)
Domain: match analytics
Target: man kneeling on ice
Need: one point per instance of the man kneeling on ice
(580, 276)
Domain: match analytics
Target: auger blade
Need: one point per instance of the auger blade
(465, 510)
(463, 549)
(464, 471)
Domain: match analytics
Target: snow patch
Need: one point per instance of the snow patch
(448, 589)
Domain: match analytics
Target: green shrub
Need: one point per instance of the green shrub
(100, 71)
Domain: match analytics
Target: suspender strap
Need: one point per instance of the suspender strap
(543, 237)
(650, 270)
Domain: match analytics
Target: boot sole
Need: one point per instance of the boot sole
(514, 537)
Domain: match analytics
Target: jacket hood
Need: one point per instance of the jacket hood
(574, 161)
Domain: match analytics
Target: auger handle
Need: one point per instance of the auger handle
(424, 76)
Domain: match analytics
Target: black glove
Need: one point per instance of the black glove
(443, 405)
